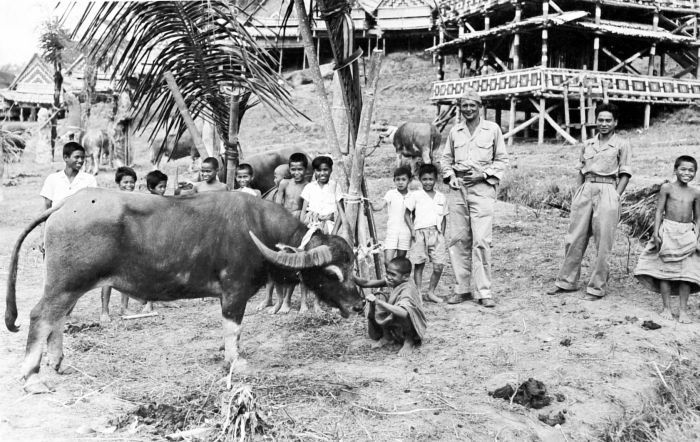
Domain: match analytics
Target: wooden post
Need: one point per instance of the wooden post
(650, 69)
(434, 43)
(511, 118)
(185, 113)
(353, 202)
(697, 41)
(526, 131)
(516, 38)
(441, 57)
(596, 40)
(232, 145)
(545, 36)
(540, 128)
(567, 118)
(582, 111)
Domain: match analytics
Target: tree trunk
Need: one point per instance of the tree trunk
(328, 125)
(58, 85)
(232, 151)
(184, 111)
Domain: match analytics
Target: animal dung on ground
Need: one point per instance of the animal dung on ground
(553, 419)
(566, 342)
(650, 325)
(531, 393)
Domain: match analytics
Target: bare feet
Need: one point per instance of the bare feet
(275, 308)
(683, 317)
(317, 307)
(667, 314)
(148, 308)
(286, 308)
(34, 386)
(104, 318)
(380, 343)
(430, 297)
(303, 308)
(408, 347)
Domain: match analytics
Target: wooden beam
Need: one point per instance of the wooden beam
(526, 124)
(511, 119)
(626, 61)
(545, 35)
(555, 7)
(652, 50)
(551, 121)
(499, 61)
(516, 38)
(185, 113)
(567, 117)
(541, 113)
(469, 27)
(596, 40)
(582, 110)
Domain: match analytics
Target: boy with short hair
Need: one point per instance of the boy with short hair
(398, 317)
(289, 194)
(321, 197)
(66, 182)
(244, 175)
(670, 264)
(125, 177)
(280, 174)
(156, 182)
(398, 235)
(209, 173)
(426, 216)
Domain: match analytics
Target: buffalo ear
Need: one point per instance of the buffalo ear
(334, 270)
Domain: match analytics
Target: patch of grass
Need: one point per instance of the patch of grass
(671, 414)
(537, 189)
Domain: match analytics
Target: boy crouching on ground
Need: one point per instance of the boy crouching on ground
(400, 317)
(670, 264)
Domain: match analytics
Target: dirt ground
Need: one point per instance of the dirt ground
(314, 376)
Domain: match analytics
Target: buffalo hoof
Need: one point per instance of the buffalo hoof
(274, 309)
(104, 318)
(286, 308)
(317, 309)
(35, 386)
(303, 308)
(263, 305)
(66, 370)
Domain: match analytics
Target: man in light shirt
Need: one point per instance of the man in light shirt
(64, 183)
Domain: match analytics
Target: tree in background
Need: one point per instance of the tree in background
(54, 40)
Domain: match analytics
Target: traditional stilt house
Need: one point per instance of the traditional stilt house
(554, 60)
(406, 24)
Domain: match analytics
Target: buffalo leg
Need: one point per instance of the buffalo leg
(45, 327)
(233, 308)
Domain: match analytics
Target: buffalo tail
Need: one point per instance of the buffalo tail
(11, 299)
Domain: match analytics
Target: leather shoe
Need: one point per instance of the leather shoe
(488, 302)
(556, 290)
(459, 298)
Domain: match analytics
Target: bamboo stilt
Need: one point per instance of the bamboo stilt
(582, 112)
(596, 40)
(545, 37)
(647, 115)
(540, 128)
(511, 119)
(567, 117)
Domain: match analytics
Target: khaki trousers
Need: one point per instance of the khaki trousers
(595, 211)
(470, 232)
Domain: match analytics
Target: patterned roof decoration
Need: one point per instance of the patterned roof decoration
(36, 77)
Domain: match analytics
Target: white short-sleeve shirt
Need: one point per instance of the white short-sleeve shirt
(396, 210)
(321, 199)
(57, 187)
(428, 211)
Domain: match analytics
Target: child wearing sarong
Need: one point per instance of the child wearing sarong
(398, 317)
(670, 263)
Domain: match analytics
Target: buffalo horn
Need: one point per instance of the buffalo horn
(316, 257)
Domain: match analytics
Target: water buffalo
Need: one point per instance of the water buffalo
(97, 143)
(415, 143)
(129, 241)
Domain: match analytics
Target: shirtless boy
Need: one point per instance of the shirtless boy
(670, 264)
(210, 181)
(289, 193)
(400, 317)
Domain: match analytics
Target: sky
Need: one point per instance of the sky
(20, 25)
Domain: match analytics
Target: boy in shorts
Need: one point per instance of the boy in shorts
(670, 264)
(125, 177)
(426, 216)
(290, 190)
(398, 317)
(244, 175)
(398, 234)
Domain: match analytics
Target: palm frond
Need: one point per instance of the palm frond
(202, 43)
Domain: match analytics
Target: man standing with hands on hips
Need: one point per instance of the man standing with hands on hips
(473, 162)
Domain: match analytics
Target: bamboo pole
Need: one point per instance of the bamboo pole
(232, 145)
(540, 127)
(582, 111)
(567, 117)
(551, 121)
(355, 193)
(184, 112)
(650, 69)
(596, 40)
(545, 34)
(326, 115)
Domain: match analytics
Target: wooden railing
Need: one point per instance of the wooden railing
(552, 82)
(453, 9)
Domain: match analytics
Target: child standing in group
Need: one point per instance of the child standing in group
(244, 175)
(290, 190)
(670, 264)
(398, 235)
(126, 181)
(321, 197)
(209, 173)
(426, 216)
(398, 318)
(156, 182)
(280, 174)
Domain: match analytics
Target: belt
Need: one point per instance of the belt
(462, 173)
(592, 178)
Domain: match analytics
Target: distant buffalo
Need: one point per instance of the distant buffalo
(415, 143)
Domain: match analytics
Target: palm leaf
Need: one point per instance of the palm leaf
(202, 43)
